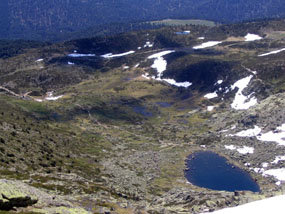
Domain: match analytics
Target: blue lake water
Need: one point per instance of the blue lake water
(209, 170)
(143, 111)
(164, 104)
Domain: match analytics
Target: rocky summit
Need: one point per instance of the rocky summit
(107, 124)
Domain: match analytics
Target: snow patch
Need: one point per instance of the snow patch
(277, 159)
(201, 38)
(279, 174)
(75, 55)
(274, 205)
(211, 95)
(39, 60)
(49, 97)
(148, 45)
(210, 108)
(249, 133)
(241, 101)
(178, 84)
(219, 82)
(110, 55)
(186, 32)
(160, 65)
(278, 135)
(242, 150)
(272, 52)
(252, 37)
(265, 165)
(70, 63)
(207, 45)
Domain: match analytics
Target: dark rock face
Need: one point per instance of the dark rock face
(10, 203)
(13, 195)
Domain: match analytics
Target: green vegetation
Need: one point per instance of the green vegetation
(109, 141)
(181, 22)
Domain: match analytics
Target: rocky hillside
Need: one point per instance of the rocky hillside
(105, 124)
(56, 19)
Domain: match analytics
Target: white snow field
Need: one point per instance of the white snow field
(272, 52)
(274, 205)
(242, 102)
(252, 37)
(207, 45)
(160, 65)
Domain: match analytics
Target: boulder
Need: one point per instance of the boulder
(11, 196)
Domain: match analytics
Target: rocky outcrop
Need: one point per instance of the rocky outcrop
(12, 194)
(17, 194)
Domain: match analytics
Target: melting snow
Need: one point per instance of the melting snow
(207, 45)
(242, 150)
(210, 108)
(277, 159)
(148, 45)
(178, 84)
(279, 174)
(264, 165)
(249, 133)
(274, 205)
(219, 82)
(183, 32)
(211, 95)
(201, 38)
(252, 37)
(110, 55)
(80, 55)
(49, 97)
(146, 76)
(272, 52)
(241, 101)
(278, 135)
(70, 63)
(39, 60)
(160, 65)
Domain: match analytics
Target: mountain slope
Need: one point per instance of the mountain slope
(105, 124)
(43, 19)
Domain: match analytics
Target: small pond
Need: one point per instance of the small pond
(164, 104)
(143, 111)
(209, 170)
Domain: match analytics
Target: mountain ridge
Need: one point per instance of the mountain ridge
(43, 19)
